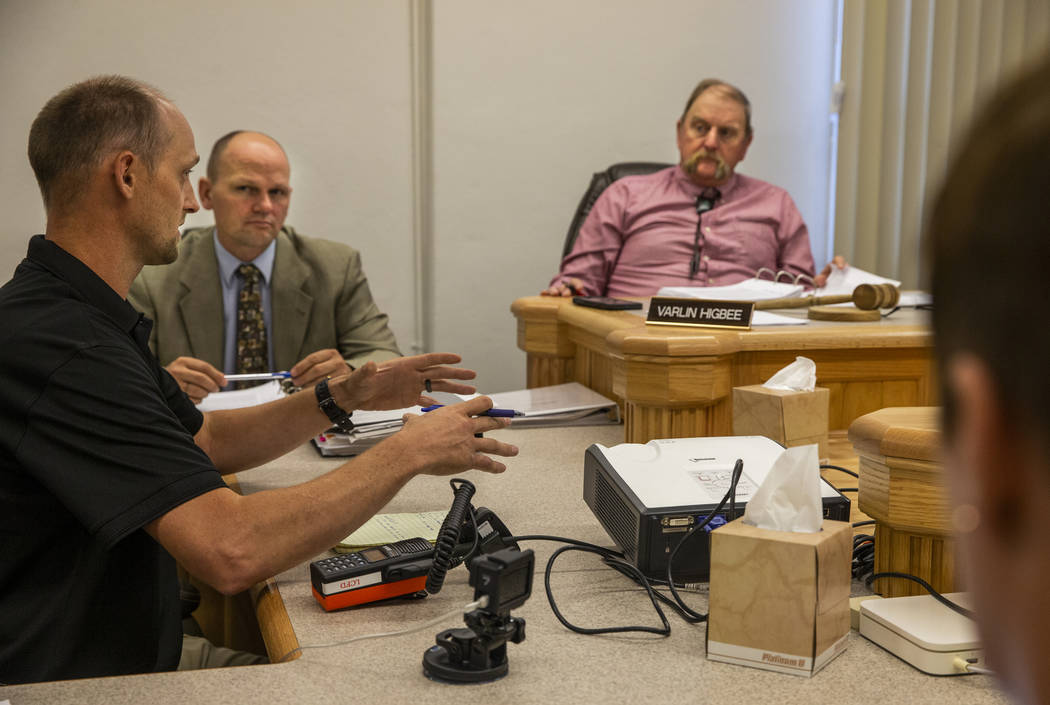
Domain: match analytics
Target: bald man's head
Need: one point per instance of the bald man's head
(248, 186)
(217, 150)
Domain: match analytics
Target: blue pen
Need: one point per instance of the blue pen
(502, 413)
(258, 376)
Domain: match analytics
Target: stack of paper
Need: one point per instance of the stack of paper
(570, 404)
(370, 427)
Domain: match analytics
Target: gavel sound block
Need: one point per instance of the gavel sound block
(867, 299)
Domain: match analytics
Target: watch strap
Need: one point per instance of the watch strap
(339, 417)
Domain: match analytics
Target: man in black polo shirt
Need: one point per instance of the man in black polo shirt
(108, 474)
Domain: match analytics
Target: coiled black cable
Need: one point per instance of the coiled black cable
(448, 536)
(863, 555)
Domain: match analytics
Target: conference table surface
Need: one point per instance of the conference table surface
(541, 493)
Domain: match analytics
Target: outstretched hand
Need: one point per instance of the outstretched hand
(402, 382)
(446, 440)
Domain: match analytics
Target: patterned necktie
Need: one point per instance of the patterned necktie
(252, 353)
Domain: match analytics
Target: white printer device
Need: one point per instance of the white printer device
(647, 497)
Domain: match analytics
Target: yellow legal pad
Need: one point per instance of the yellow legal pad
(388, 528)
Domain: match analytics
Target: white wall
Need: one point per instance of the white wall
(532, 97)
(327, 78)
(529, 98)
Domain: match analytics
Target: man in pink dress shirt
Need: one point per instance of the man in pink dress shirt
(643, 234)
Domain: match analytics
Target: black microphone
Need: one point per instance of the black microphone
(704, 202)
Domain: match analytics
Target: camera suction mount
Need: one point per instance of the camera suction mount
(478, 653)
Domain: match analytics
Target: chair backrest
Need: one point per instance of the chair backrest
(599, 182)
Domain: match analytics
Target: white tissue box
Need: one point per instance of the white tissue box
(788, 417)
(779, 599)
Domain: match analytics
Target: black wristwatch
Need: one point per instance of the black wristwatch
(335, 414)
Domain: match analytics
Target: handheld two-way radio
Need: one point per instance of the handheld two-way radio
(373, 574)
(411, 566)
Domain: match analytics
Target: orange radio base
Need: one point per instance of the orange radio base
(341, 600)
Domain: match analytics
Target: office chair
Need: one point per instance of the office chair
(599, 182)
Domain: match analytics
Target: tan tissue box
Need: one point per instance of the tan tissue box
(779, 600)
(789, 418)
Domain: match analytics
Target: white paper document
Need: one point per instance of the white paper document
(747, 290)
(915, 298)
(240, 398)
(844, 281)
(768, 318)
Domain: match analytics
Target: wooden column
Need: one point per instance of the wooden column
(902, 488)
(281, 643)
(545, 340)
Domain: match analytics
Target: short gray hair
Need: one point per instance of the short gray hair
(77, 128)
(728, 90)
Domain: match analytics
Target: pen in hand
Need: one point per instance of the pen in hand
(501, 413)
(257, 376)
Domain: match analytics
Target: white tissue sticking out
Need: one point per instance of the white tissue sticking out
(799, 376)
(789, 498)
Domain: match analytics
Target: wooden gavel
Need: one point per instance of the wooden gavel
(867, 297)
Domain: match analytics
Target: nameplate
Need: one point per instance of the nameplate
(700, 312)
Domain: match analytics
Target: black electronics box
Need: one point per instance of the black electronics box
(642, 494)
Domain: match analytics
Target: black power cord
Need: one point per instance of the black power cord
(955, 607)
(863, 568)
(840, 469)
(848, 472)
(692, 615)
(622, 566)
(615, 559)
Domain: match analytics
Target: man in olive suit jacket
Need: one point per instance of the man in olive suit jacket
(319, 312)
